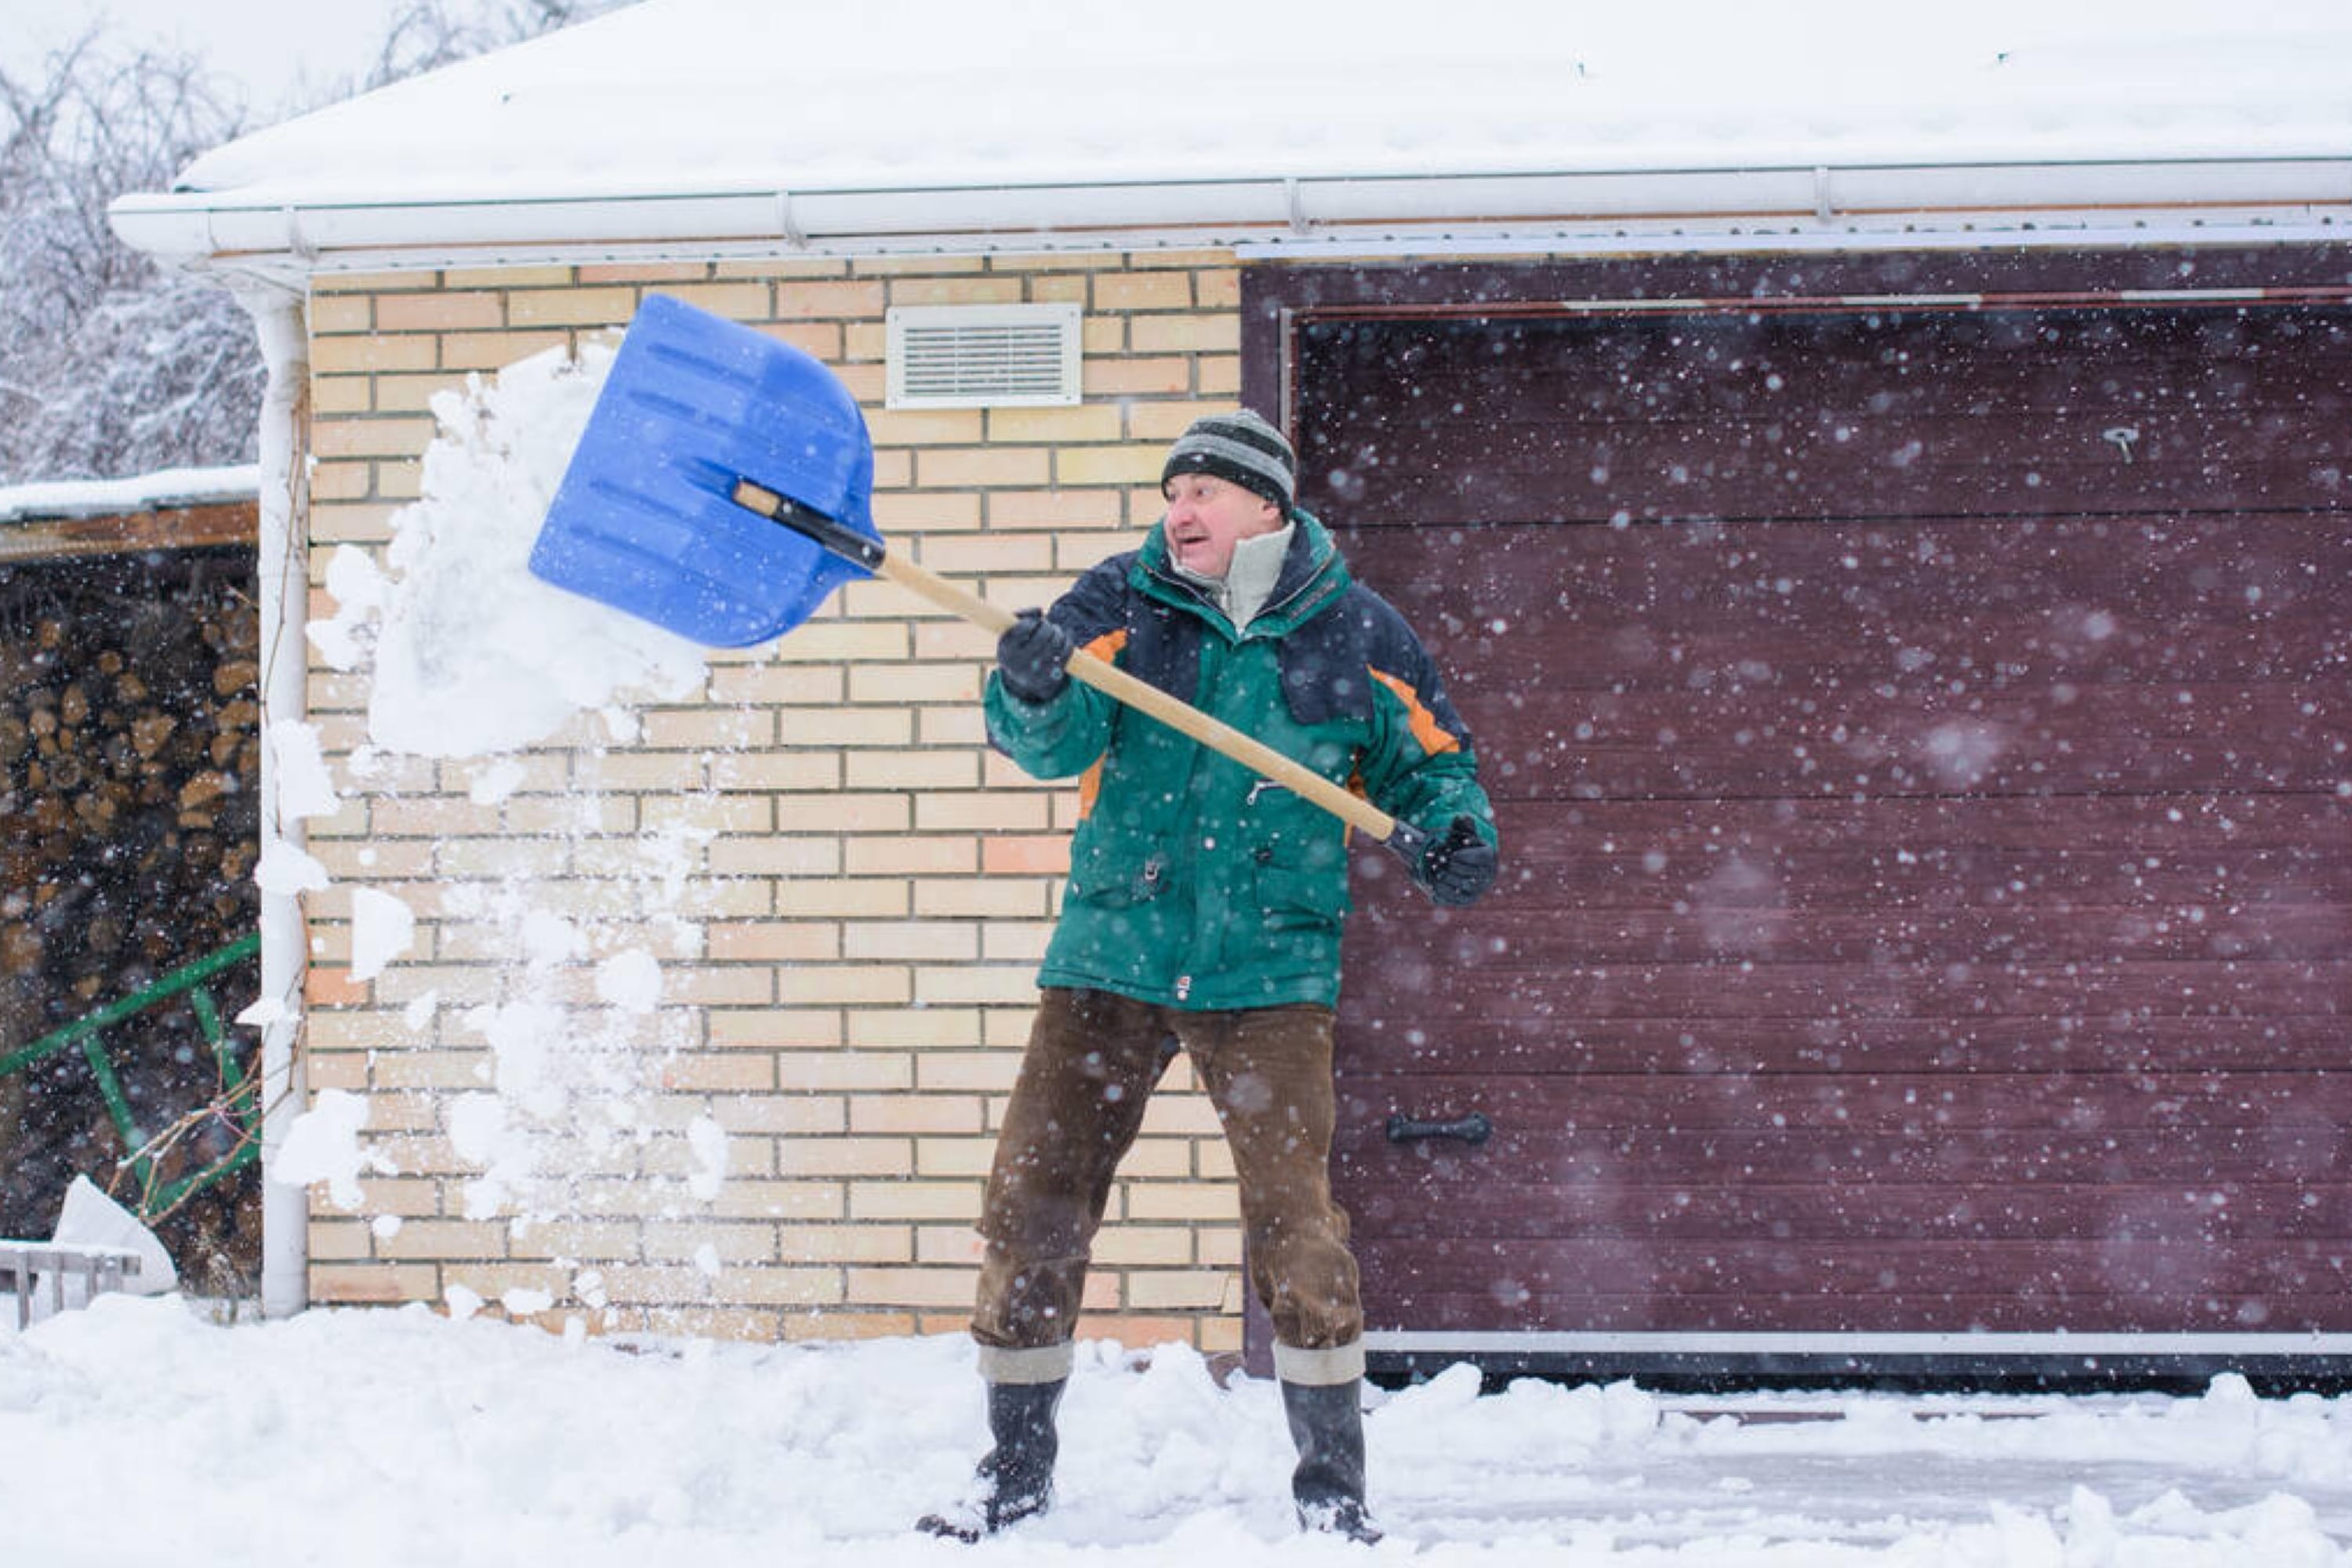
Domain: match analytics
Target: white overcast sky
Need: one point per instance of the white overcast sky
(271, 50)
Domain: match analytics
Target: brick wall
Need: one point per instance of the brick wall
(848, 978)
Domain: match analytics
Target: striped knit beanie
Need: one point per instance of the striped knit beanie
(1239, 447)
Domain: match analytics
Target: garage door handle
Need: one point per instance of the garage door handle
(1472, 1128)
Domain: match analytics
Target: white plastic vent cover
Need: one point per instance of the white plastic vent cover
(982, 356)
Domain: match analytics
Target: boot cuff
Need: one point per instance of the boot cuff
(1044, 1363)
(1324, 1368)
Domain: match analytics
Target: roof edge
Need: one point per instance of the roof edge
(2310, 197)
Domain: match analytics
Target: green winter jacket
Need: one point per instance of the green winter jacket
(1193, 882)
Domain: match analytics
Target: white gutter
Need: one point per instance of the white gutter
(284, 589)
(2302, 196)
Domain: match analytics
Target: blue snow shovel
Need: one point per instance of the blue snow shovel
(723, 488)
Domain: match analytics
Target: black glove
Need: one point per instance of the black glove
(1459, 867)
(1032, 656)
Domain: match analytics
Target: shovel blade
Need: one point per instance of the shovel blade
(644, 520)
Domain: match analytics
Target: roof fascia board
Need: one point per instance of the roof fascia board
(2309, 197)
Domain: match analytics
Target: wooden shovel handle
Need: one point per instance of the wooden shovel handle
(1183, 717)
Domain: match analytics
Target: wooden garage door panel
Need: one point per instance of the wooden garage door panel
(1560, 1042)
(1878, 414)
(1774, 660)
(1937, 917)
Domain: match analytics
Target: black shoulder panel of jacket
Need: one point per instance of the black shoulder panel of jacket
(1162, 644)
(1327, 664)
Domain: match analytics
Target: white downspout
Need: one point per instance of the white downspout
(284, 588)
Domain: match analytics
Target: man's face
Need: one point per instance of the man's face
(1207, 516)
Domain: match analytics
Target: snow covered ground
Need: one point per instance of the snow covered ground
(138, 1431)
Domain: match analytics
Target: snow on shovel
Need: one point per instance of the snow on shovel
(722, 490)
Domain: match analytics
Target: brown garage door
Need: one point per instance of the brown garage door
(1920, 740)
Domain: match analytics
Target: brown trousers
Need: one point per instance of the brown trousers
(1092, 1063)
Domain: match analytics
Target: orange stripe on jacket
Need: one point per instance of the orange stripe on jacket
(1433, 736)
(1105, 647)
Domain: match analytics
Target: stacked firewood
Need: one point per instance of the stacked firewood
(130, 772)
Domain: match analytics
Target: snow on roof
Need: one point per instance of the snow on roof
(164, 490)
(982, 110)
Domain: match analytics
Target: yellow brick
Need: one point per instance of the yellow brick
(949, 941)
(1174, 1202)
(782, 1200)
(375, 352)
(372, 283)
(1138, 376)
(906, 683)
(969, 1158)
(914, 1027)
(342, 1241)
(1219, 376)
(735, 1072)
(837, 726)
(717, 813)
(742, 301)
(496, 351)
(372, 1283)
(955, 291)
(669, 729)
(644, 272)
(1126, 465)
(914, 1200)
(975, 553)
(850, 1157)
(787, 1287)
(502, 858)
(774, 941)
(779, 267)
(930, 1114)
(423, 1238)
(848, 898)
(1052, 511)
(443, 311)
(982, 468)
(866, 811)
(846, 1244)
(948, 811)
(954, 1246)
(1056, 427)
(914, 770)
(930, 512)
(1144, 291)
(917, 266)
(1181, 1115)
(577, 1240)
(884, 856)
(845, 1071)
(412, 393)
(811, 984)
(830, 300)
(844, 642)
(1144, 1246)
(1172, 1289)
(767, 1028)
(775, 683)
(783, 1115)
(548, 276)
(675, 1243)
(799, 856)
(975, 984)
(776, 770)
(648, 772)
(1022, 898)
(342, 313)
(926, 427)
(1211, 332)
(570, 307)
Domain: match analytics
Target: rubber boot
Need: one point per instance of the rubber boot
(1327, 1424)
(1015, 1482)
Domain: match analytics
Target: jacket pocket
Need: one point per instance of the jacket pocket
(1113, 875)
(1300, 884)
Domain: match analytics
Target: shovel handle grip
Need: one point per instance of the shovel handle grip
(1083, 668)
